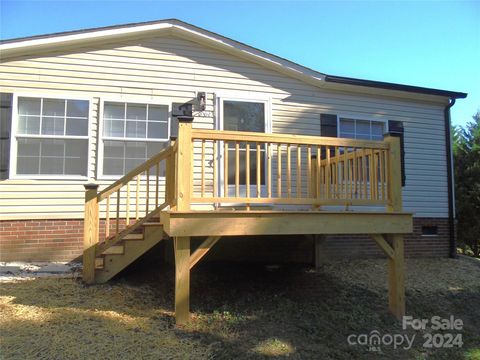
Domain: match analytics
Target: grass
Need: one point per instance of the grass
(238, 311)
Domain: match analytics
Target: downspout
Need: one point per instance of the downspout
(451, 193)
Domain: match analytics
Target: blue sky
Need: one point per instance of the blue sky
(425, 43)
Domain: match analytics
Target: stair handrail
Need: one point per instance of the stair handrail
(93, 247)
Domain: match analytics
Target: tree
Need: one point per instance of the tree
(466, 149)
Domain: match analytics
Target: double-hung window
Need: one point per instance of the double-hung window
(51, 137)
(132, 133)
(361, 129)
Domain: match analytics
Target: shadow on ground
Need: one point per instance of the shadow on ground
(239, 311)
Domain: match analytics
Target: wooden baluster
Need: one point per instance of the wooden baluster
(215, 176)
(117, 220)
(345, 173)
(371, 182)
(237, 169)
(337, 172)
(364, 173)
(382, 173)
(328, 174)
(354, 164)
(147, 191)
(269, 171)
(289, 174)
(309, 171)
(259, 181)
(203, 170)
(319, 172)
(279, 170)
(299, 171)
(375, 172)
(137, 204)
(127, 217)
(157, 176)
(225, 168)
(247, 169)
(107, 220)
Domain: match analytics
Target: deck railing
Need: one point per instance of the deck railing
(244, 168)
(127, 204)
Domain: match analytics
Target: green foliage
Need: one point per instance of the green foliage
(466, 150)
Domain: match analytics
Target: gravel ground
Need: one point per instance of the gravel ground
(243, 311)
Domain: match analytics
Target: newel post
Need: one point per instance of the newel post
(183, 194)
(170, 175)
(185, 163)
(394, 173)
(90, 232)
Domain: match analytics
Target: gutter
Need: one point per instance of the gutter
(451, 191)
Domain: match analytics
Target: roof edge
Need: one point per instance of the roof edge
(393, 86)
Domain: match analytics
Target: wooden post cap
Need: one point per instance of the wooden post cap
(173, 138)
(91, 186)
(185, 119)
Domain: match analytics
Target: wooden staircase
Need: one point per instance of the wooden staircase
(123, 253)
(122, 221)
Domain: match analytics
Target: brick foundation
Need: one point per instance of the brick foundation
(61, 240)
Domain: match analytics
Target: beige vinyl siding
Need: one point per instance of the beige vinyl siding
(168, 69)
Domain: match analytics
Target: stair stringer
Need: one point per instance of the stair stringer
(133, 249)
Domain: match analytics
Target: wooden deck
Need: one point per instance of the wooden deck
(328, 186)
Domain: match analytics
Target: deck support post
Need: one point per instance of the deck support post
(396, 277)
(90, 232)
(182, 279)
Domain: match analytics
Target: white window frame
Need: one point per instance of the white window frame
(240, 97)
(12, 173)
(101, 138)
(359, 117)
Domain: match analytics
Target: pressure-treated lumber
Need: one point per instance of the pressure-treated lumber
(182, 279)
(203, 249)
(133, 249)
(184, 165)
(394, 174)
(383, 244)
(90, 233)
(396, 277)
(231, 223)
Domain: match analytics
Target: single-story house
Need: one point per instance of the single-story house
(89, 106)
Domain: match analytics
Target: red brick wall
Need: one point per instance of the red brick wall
(61, 240)
(40, 240)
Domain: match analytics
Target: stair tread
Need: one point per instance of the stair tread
(114, 250)
(134, 236)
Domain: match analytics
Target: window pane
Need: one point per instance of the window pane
(136, 111)
(113, 128)
(113, 158)
(51, 165)
(377, 128)
(158, 112)
(114, 111)
(28, 106)
(347, 126)
(363, 127)
(76, 155)
(136, 129)
(77, 108)
(28, 165)
(154, 148)
(52, 147)
(29, 125)
(135, 150)
(78, 127)
(54, 107)
(28, 147)
(157, 130)
(52, 125)
(244, 116)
